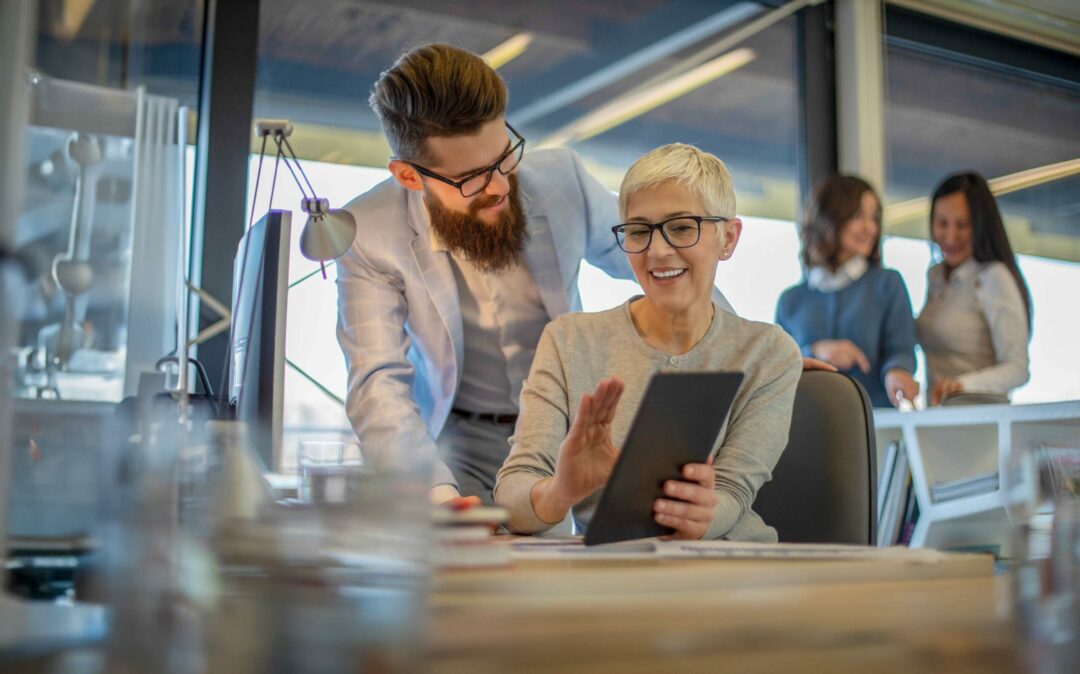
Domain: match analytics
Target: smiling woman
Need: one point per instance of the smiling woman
(976, 324)
(561, 457)
(848, 310)
(677, 271)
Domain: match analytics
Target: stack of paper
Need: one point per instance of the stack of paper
(463, 538)
(649, 548)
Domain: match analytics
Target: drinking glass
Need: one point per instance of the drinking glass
(329, 470)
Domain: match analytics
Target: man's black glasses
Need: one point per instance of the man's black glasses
(477, 182)
(681, 232)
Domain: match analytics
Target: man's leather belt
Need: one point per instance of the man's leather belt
(490, 418)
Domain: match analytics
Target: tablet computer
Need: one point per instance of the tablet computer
(680, 416)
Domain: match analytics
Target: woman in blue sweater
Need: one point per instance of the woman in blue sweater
(848, 311)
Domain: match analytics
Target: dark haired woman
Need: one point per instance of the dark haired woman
(848, 310)
(977, 319)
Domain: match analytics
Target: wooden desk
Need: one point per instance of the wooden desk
(692, 615)
(723, 615)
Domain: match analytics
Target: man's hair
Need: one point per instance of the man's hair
(835, 201)
(435, 91)
(701, 173)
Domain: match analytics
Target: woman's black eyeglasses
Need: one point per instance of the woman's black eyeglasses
(681, 232)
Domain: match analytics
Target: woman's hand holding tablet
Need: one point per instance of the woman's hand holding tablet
(689, 504)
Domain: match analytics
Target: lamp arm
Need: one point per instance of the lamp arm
(300, 168)
(283, 157)
(258, 176)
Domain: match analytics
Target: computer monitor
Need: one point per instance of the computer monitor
(260, 290)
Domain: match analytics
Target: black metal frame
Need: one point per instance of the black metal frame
(928, 34)
(659, 226)
(816, 137)
(226, 97)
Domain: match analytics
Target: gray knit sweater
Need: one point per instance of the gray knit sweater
(577, 350)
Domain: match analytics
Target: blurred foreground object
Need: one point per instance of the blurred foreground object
(215, 576)
(1044, 492)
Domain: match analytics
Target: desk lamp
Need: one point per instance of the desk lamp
(328, 233)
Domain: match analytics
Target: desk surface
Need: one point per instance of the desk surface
(710, 615)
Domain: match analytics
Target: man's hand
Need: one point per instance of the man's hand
(899, 381)
(461, 502)
(442, 493)
(586, 457)
(944, 388)
(690, 504)
(840, 352)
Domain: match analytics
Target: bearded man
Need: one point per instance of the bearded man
(460, 260)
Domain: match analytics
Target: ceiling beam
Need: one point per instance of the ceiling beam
(634, 62)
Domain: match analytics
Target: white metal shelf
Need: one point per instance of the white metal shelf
(950, 443)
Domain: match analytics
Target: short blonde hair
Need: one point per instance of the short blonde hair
(700, 172)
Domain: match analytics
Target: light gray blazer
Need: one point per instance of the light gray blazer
(399, 318)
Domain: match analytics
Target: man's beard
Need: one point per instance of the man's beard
(494, 248)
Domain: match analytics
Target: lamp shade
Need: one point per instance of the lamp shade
(327, 235)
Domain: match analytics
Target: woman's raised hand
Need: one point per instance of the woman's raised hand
(587, 455)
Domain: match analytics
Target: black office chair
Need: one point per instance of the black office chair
(824, 486)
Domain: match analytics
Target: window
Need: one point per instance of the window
(106, 91)
(96, 206)
(315, 368)
(959, 99)
(565, 63)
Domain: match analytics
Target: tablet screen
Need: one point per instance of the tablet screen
(679, 419)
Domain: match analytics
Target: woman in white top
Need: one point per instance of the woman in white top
(976, 323)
